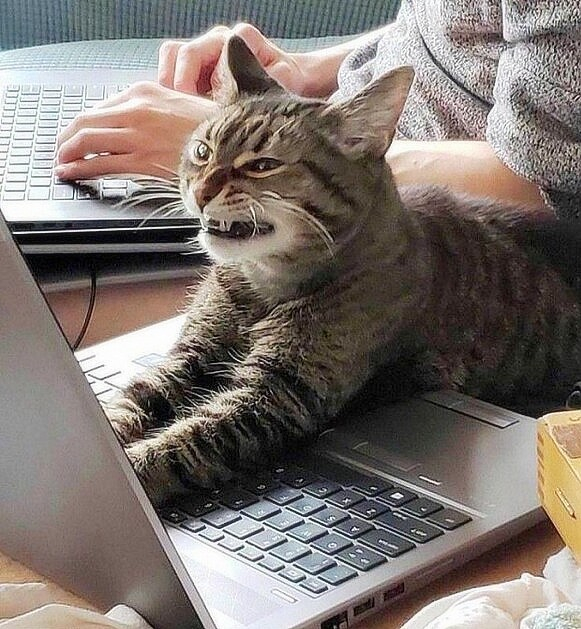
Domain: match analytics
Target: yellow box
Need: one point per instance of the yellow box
(559, 474)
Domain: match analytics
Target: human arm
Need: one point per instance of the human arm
(534, 126)
(189, 67)
(143, 129)
(467, 166)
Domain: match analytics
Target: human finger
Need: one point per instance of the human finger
(260, 46)
(166, 65)
(97, 166)
(154, 164)
(91, 141)
(196, 60)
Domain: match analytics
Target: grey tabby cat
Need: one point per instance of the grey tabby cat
(324, 276)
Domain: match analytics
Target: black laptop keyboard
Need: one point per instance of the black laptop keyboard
(32, 117)
(306, 530)
(310, 531)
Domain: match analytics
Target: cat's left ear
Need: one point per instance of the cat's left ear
(368, 121)
(240, 73)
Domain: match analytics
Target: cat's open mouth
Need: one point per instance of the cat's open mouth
(237, 229)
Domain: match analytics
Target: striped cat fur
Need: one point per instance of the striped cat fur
(325, 277)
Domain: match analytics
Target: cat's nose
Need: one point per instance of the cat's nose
(203, 194)
(210, 187)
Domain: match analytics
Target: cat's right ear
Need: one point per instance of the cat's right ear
(239, 72)
(368, 121)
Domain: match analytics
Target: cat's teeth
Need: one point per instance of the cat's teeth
(224, 225)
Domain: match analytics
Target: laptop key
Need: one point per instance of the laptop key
(330, 516)
(284, 521)
(387, 543)
(397, 496)
(173, 515)
(267, 540)
(236, 498)
(221, 518)
(292, 574)
(298, 478)
(331, 544)
(323, 488)
(13, 196)
(89, 363)
(290, 551)
(313, 585)
(283, 495)
(271, 563)
(306, 506)
(195, 526)
(354, 527)
(315, 563)
(105, 371)
(449, 519)
(197, 505)
(338, 575)
(261, 510)
(361, 558)
(372, 486)
(212, 535)
(307, 532)
(230, 543)
(99, 387)
(422, 507)
(39, 194)
(252, 554)
(244, 528)
(345, 498)
(369, 509)
(260, 485)
(63, 193)
(417, 530)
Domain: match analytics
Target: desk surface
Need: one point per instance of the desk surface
(525, 553)
(116, 313)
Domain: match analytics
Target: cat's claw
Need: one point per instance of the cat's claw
(125, 419)
(159, 483)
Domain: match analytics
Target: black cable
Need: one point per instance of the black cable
(90, 311)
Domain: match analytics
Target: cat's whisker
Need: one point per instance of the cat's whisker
(313, 222)
(194, 248)
(166, 169)
(167, 210)
(252, 212)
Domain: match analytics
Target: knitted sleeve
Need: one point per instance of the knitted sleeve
(534, 125)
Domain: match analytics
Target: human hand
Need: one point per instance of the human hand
(141, 130)
(192, 67)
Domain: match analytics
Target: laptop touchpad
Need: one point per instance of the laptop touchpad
(239, 603)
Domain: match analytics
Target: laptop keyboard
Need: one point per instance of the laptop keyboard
(310, 531)
(32, 117)
(307, 530)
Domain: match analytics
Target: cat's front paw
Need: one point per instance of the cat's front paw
(126, 418)
(154, 471)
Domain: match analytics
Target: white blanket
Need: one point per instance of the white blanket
(553, 602)
(31, 606)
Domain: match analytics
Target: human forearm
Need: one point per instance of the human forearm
(320, 67)
(463, 166)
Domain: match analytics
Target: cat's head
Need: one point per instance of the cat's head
(278, 176)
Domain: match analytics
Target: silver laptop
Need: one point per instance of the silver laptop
(382, 503)
(52, 216)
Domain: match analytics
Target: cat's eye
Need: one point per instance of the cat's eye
(262, 167)
(200, 152)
